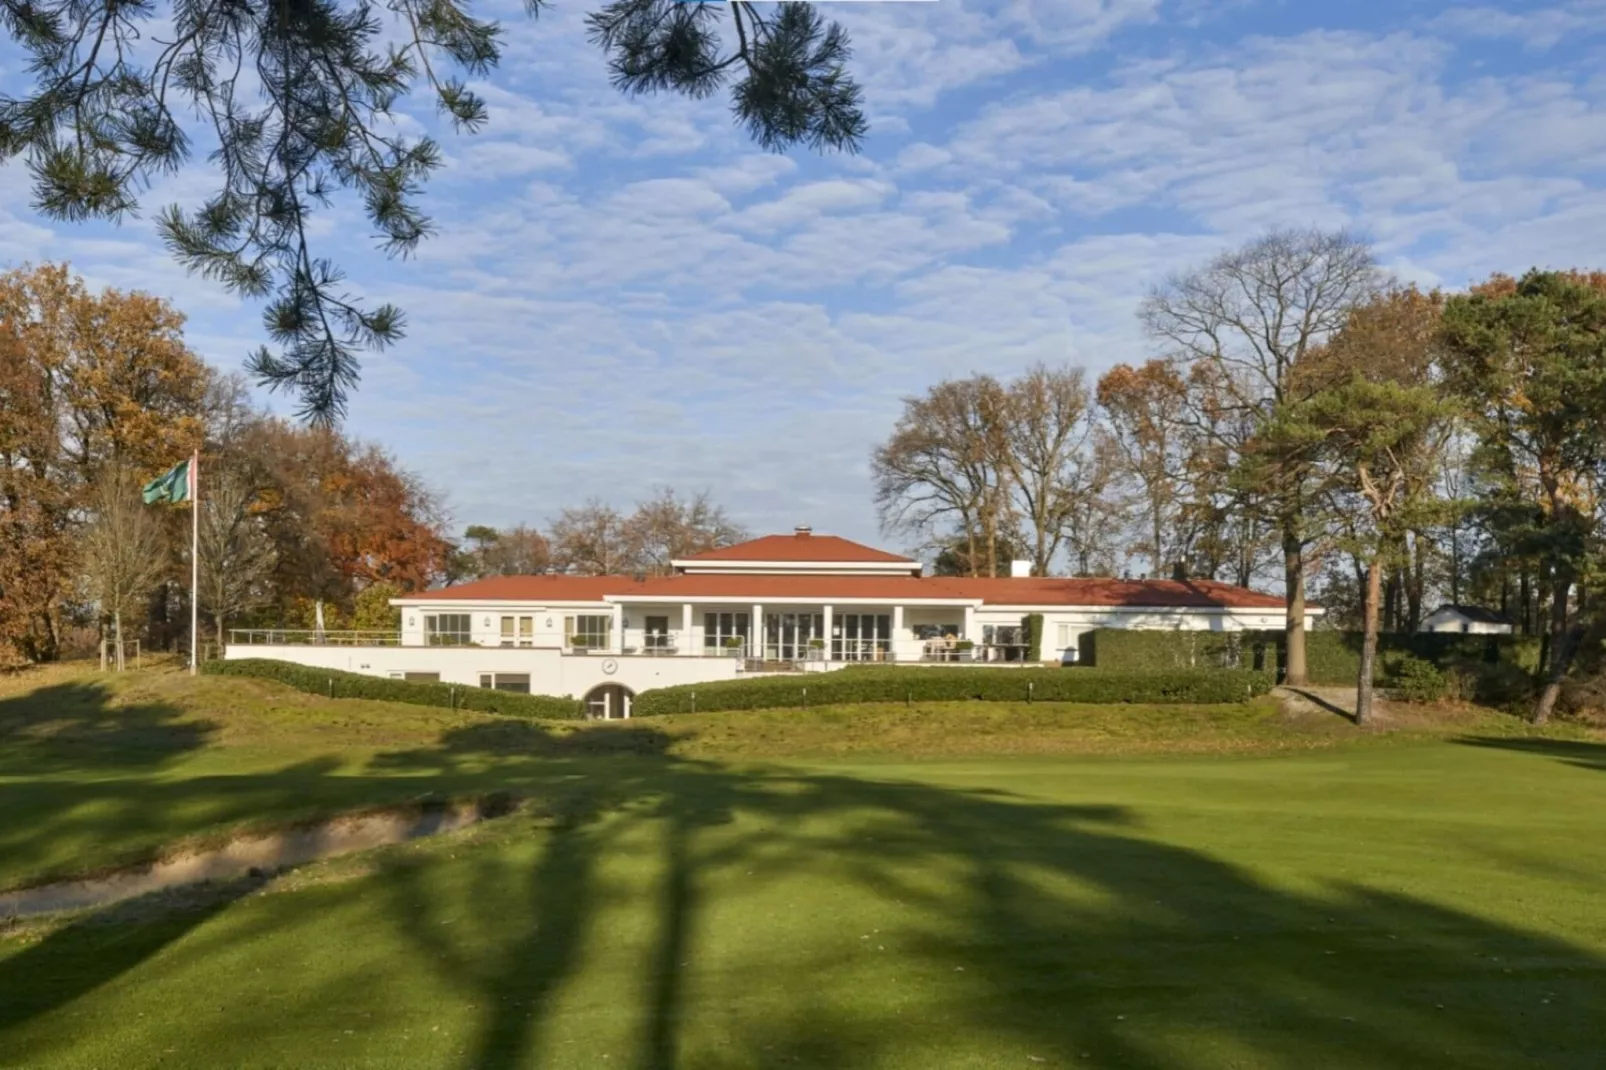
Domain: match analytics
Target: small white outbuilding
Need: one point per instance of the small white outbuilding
(1467, 620)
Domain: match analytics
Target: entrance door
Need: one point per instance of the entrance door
(608, 702)
(787, 635)
(656, 634)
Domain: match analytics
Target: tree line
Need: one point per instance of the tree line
(1308, 420)
(99, 394)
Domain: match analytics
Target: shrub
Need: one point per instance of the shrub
(1032, 628)
(1416, 680)
(336, 683)
(1331, 657)
(872, 684)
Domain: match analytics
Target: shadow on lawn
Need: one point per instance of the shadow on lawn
(1582, 754)
(1059, 930)
(74, 727)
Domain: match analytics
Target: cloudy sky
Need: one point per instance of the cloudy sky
(625, 294)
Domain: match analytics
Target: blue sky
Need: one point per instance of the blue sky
(626, 294)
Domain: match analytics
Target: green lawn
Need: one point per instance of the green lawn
(959, 886)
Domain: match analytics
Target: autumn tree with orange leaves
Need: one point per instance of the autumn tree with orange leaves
(88, 383)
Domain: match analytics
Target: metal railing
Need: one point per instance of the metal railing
(313, 637)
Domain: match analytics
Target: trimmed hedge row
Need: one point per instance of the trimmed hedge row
(845, 686)
(336, 683)
(1331, 657)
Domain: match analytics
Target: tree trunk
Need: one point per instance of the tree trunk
(117, 630)
(218, 618)
(1363, 684)
(1416, 589)
(1158, 528)
(103, 644)
(1561, 648)
(1294, 579)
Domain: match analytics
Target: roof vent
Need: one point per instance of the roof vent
(803, 531)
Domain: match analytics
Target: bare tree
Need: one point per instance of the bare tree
(237, 556)
(125, 549)
(1046, 436)
(666, 527)
(1255, 314)
(940, 469)
(1146, 411)
(593, 540)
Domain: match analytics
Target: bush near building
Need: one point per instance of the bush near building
(1488, 668)
(338, 684)
(855, 685)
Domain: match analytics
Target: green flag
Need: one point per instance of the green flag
(173, 486)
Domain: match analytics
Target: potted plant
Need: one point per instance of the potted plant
(580, 643)
(817, 649)
(733, 645)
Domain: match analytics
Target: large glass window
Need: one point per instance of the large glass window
(861, 637)
(447, 629)
(589, 631)
(725, 633)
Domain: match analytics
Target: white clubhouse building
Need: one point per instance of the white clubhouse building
(782, 603)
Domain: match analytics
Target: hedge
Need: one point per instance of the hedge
(854, 685)
(336, 683)
(1331, 657)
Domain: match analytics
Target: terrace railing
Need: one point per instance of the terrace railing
(313, 637)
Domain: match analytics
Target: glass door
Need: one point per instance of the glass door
(787, 636)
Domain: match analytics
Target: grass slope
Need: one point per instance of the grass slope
(1076, 889)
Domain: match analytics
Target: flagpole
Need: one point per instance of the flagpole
(195, 559)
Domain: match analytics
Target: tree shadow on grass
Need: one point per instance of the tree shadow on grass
(1078, 938)
(1583, 755)
(76, 727)
(1026, 929)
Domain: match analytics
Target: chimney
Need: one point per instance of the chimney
(1019, 569)
(803, 531)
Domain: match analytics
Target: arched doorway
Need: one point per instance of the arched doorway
(609, 702)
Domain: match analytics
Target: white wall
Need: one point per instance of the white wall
(486, 620)
(1455, 622)
(551, 671)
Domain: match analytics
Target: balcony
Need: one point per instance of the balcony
(313, 637)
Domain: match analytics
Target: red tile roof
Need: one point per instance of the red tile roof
(801, 547)
(1033, 591)
(1106, 591)
(530, 589)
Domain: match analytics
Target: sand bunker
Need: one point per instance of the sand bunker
(248, 854)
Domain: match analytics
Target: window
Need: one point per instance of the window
(725, 632)
(507, 631)
(861, 637)
(422, 677)
(506, 681)
(447, 629)
(526, 631)
(589, 631)
(656, 634)
(1066, 639)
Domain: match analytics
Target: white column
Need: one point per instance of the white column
(687, 646)
(617, 643)
(825, 627)
(970, 625)
(755, 633)
(898, 644)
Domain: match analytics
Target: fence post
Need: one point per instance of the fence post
(694, 702)
(1030, 684)
(908, 698)
(331, 687)
(452, 697)
(805, 698)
